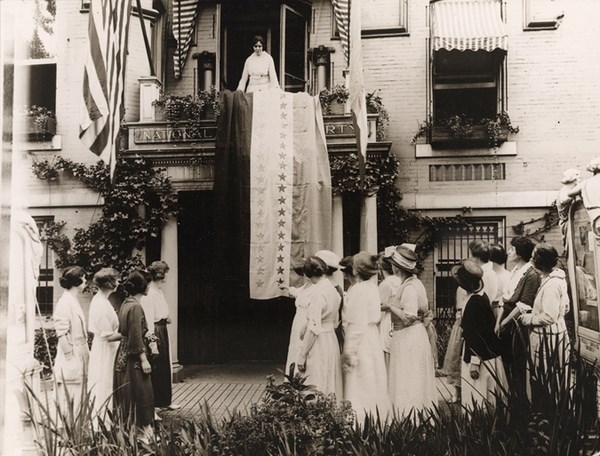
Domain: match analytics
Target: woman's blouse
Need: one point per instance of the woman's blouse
(103, 320)
(523, 286)
(69, 319)
(478, 322)
(155, 306)
(388, 289)
(412, 299)
(133, 328)
(259, 71)
(323, 310)
(551, 300)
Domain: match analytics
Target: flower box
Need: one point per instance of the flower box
(36, 129)
(336, 108)
(442, 136)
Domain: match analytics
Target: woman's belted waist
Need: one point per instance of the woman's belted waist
(399, 326)
(327, 326)
(554, 329)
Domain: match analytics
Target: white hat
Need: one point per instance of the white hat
(569, 175)
(409, 246)
(331, 259)
(594, 165)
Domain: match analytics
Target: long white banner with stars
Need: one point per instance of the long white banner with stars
(271, 193)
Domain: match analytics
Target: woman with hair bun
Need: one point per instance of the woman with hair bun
(72, 354)
(319, 355)
(132, 382)
(156, 310)
(259, 69)
(103, 322)
(365, 374)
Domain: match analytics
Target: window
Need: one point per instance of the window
(467, 172)
(453, 246)
(466, 84)
(542, 14)
(380, 18)
(45, 288)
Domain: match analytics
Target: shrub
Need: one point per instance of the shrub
(44, 349)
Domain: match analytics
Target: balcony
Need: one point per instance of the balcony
(188, 153)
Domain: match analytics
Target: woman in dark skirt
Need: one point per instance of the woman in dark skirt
(132, 382)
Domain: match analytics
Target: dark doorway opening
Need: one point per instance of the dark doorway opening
(215, 325)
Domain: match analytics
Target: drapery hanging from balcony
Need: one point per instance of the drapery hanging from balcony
(273, 188)
(184, 18)
(462, 25)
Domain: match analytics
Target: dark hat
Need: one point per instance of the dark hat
(365, 263)
(402, 257)
(468, 274)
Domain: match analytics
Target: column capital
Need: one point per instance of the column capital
(321, 55)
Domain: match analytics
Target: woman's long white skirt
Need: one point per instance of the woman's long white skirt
(411, 376)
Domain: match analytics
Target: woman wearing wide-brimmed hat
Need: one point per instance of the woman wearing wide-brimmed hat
(365, 382)
(387, 290)
(302, 300)
(482, 371)
(319, 356)
(411, 376)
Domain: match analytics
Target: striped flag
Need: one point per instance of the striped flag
(341, 12)
(104, 77)
(184, 18)
(273, 188)
(357, 98)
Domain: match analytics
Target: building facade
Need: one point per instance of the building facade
(532, 59)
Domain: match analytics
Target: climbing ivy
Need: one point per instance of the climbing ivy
(395, 224)
(136, 205)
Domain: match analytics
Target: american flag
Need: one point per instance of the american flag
(341, 10)
(184, 18)
(104, 77)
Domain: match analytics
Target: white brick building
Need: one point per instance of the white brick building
(548, 81)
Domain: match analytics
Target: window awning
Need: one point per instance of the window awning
(463, 25)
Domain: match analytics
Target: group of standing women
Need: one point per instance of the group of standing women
(356, 369)
(129, 364)
(496, 340)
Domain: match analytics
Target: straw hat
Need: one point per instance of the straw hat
(468, 274)
(401, 257)
(569, 175)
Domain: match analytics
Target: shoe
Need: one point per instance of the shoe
(173, 407)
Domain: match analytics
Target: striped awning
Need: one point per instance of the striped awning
(462, 25)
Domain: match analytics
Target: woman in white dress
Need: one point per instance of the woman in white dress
(411, 377)
(300, 320)
(259, 69)
(319, 357)
(365, 375)
(72, 353)
(103, 322)
(387, 289)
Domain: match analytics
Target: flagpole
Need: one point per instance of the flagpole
(145, 35)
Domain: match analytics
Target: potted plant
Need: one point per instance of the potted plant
(174, 108)
(209, 103)
(40, 123)
(375, 106)
(333, 101)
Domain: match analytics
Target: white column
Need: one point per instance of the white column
(368, 223)
(337, 234)
(168, 253)
(149, 91)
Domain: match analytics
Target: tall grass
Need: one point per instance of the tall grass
(294, 420)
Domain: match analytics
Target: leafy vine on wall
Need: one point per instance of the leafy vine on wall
(395, 224)
(137, 204)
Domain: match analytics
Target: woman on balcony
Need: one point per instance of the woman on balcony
(259, 69)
